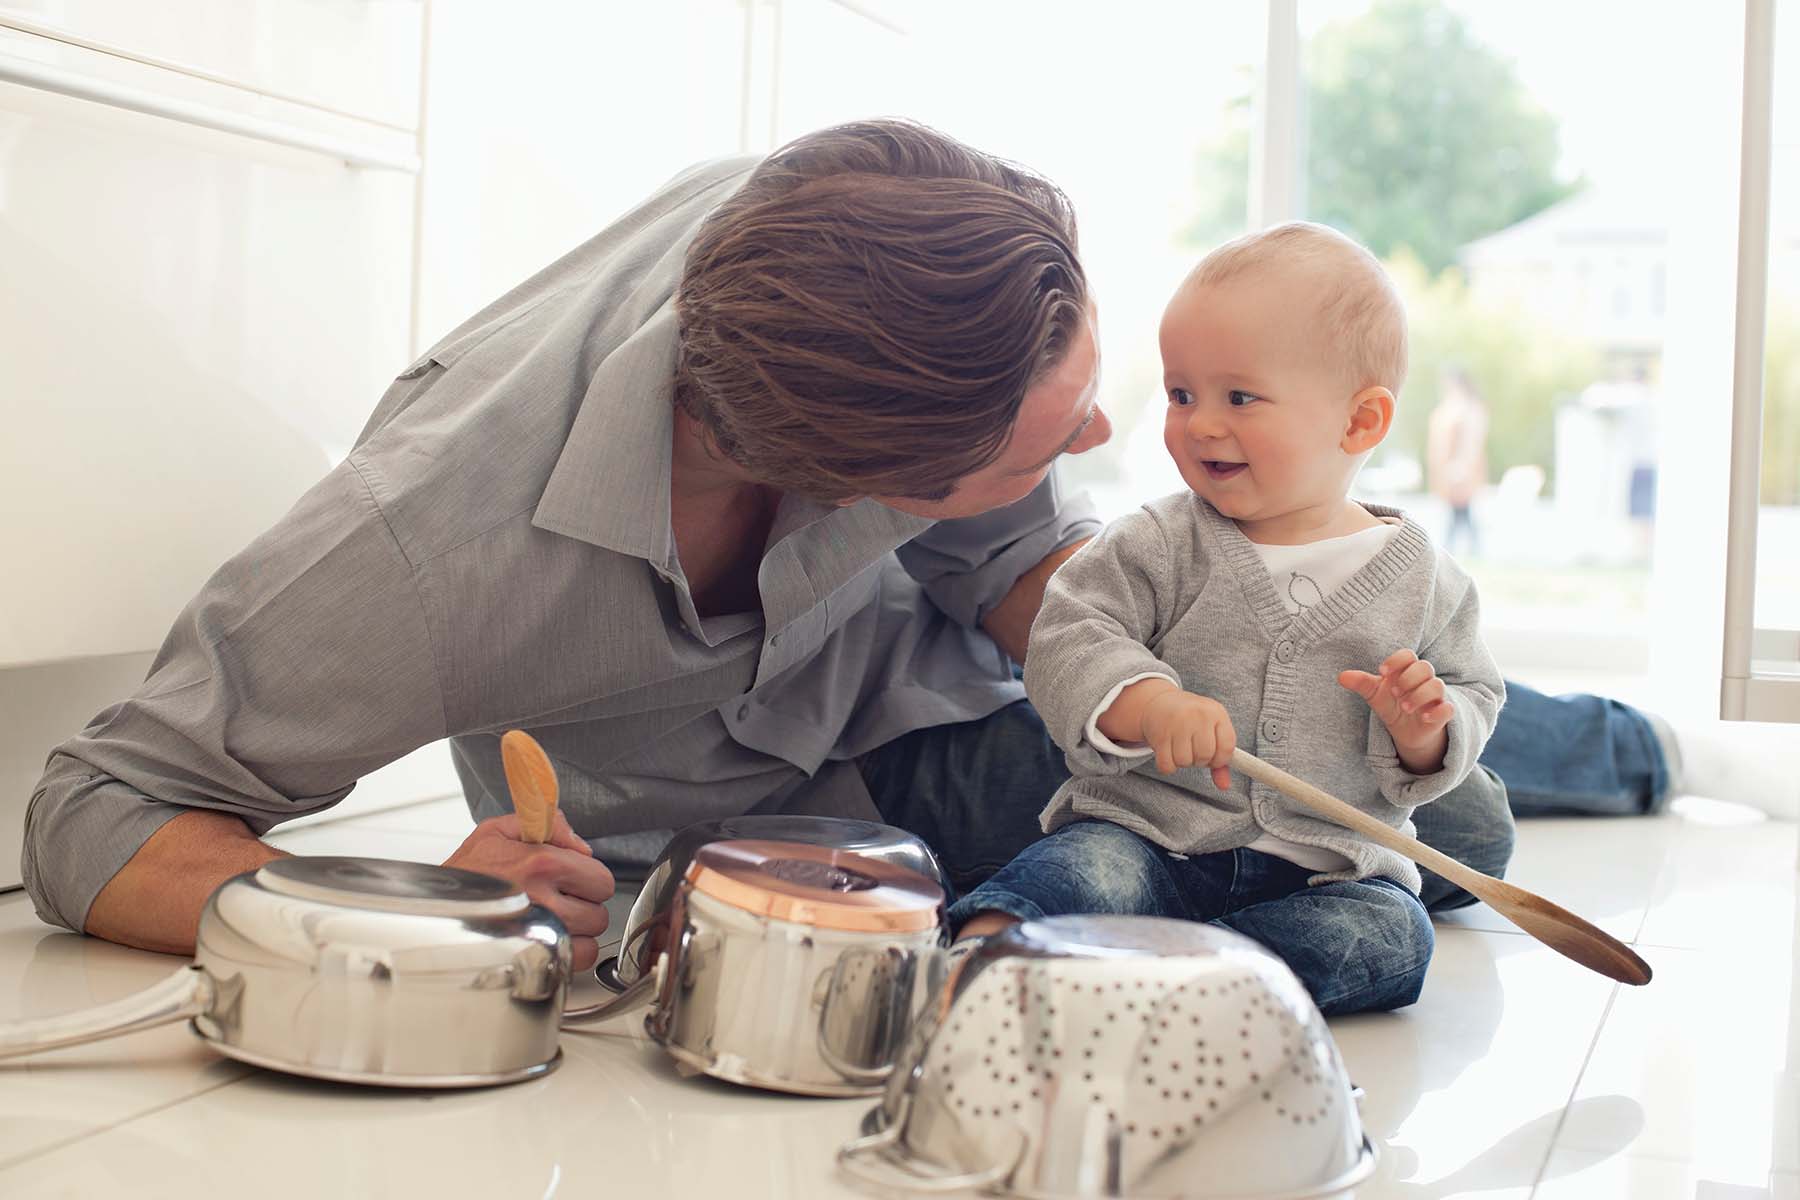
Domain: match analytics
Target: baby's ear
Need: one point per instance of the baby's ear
(1371, 416)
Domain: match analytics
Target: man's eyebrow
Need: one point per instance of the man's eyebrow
(1070, 441)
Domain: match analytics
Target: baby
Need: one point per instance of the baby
(1263, 605)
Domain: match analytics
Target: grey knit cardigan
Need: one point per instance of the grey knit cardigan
(1175, 588)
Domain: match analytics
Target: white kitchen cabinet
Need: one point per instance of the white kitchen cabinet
(200, 301)
(193, 325)
(354, 57)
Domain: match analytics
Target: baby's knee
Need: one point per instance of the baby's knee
(1103, 868)
(1398, 940)
(1412, 938)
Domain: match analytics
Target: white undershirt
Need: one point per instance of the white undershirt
(1303, 575)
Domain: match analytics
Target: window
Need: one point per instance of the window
(1775, 645)
(1528, 216)
(1561, 219)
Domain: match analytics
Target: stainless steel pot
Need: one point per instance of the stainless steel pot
(788, 966)
(360, 970)
(649, 912)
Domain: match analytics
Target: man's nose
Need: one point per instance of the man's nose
(1098, 433)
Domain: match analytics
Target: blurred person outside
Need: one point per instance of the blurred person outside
(1456, 455)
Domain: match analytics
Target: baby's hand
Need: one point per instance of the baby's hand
(1185, 729)
(1411, 701)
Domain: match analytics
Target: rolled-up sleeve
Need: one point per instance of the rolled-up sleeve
(967, 565)
(303, 664)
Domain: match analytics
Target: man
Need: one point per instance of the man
(744, 504)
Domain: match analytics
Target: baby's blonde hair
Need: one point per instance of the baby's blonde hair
(1359, 306)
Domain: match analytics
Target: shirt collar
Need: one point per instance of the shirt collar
(610, 485)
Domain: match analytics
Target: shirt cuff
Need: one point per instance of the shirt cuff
(1100, 741)
(80, 830)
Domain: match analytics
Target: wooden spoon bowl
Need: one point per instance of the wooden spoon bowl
(1551, 924)
(531, 779)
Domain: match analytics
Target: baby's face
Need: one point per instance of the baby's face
(1257, 411)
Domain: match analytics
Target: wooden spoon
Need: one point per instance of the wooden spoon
(532, 781)
(1556, 927)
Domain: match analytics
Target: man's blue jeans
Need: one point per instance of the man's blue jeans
(1356, 946)
(973, 791)
(1575, 755)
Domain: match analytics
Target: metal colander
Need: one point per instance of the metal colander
(1119, 1056)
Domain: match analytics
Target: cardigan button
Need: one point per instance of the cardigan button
(1271, 730)
(1284, 651)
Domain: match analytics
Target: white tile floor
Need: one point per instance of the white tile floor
(1517, 1075)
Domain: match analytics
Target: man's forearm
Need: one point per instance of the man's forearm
(154, 901)
(1009, 622)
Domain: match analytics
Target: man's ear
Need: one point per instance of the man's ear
(1371, 416)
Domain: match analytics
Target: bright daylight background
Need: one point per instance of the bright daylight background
(1553, 185)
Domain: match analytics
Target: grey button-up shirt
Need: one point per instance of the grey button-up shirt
(496, 553)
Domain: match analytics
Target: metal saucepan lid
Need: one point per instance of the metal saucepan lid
(815, 885)
(390, 886)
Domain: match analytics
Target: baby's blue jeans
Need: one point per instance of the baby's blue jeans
(1357, 946)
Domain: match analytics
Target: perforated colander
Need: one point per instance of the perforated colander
(1119, 1056)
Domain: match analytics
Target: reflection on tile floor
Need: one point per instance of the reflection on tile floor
(1517, 1075)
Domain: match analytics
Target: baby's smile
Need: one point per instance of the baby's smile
(1220, 469)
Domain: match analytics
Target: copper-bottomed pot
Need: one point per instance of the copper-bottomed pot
(782, 965)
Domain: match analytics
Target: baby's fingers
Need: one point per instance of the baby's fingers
(1397, 662)
(1419, 693)
(1436, 713)
(1360, 682)
(1224, 742)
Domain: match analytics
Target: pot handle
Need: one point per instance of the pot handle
(867, 1161)
(645, 988)
(650, 984)
(629, 1000)
(187, 993)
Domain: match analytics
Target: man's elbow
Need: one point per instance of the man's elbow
(37, 868)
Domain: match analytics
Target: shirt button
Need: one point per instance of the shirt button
(743, 711)
(1271, 730)
(774, 641)
(1285, 651)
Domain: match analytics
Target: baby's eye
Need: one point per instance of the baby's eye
(1180, 397)
(1239, 399)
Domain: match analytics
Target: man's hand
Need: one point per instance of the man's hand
(561, 874)
(1412, 702)
(1185, 730)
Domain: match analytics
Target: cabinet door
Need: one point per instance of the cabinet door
(346, 56)
(193, 326)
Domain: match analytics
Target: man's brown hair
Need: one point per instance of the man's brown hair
(864, 316)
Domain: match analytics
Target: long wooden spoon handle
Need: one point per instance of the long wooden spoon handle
(1333, 809)
(531, 779)
(1556, 927)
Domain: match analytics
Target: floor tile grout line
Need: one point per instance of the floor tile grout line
(64, 1143)
(1587, 1060)
(1662, 873)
